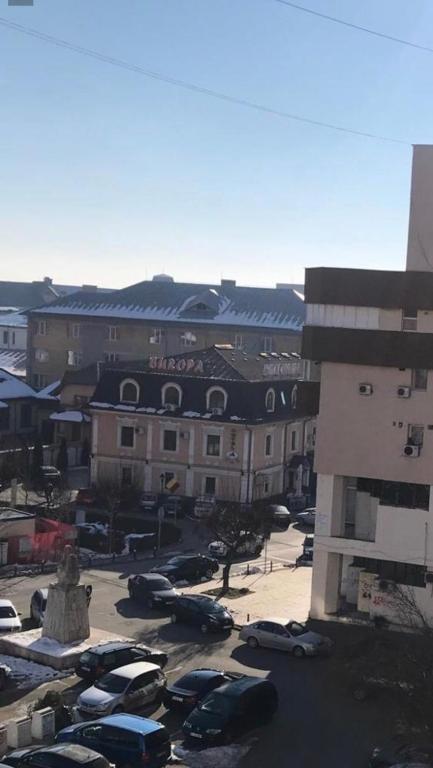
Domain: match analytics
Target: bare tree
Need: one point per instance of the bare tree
(231, 523)
(114, 496)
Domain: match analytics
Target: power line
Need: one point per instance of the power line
(349, 24)
(190, 86)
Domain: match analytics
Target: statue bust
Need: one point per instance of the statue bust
(68, 572)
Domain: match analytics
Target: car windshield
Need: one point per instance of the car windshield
(191, 682)
(295, 628)
(210, 606)
(216, 704)
(7, 612)
(89, 658)
(160, 584)
(176, 560)
(112, 683)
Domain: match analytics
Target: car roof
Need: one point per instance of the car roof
(280, 508)
(277, 620)
(203, 673)
(113, 646)
(132, 723)
(199, 598)
(77, 752)
(129, 671)
(237, 687)
(151, 576)
(6, 604)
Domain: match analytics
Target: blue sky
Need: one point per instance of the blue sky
(107, 177)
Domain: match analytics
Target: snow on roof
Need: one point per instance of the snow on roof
(73, 416)
(46, 392)
(13, 319)
(14, 361)
(12, 388)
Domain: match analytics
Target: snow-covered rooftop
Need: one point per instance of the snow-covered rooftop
(74, 416)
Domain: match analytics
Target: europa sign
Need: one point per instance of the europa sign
(182, 365)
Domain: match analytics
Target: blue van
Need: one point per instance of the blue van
(126, 740)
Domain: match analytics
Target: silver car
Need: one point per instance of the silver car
(126, 689)
(285, 635)
(307, 517)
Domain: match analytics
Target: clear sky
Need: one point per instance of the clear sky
(107, 176)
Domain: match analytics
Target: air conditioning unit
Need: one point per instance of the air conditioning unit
(403, 391)
(365, 389)
(170, 406)
(411, 450)
(216, 411)
(184, 435)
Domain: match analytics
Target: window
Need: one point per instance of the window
(129, 391)
(213, 445)
(293, 440)
(188, 339)
(239, 341)
(171, 395)
(41, 355)
(13, 338)
(409, 320)
(4, 418)
(41, 328)
(5, 337)
(216, 400)
(419, 378)
(40, 380)
(210, 486)
(127, 437)
(25, 544)
(113, 333)
(126, 476)
(26, 416)
(415, 434)
(268, 344)
(111, 357)
(267, 486)
(76, 331)
(270, 401)
(268, 445)
(170, 440)
(157, 336)
(74, 358)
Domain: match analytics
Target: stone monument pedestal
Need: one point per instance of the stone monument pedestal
(66, 618)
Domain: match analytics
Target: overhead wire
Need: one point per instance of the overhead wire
(247, 103)
(352, 25)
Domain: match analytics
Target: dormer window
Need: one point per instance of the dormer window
(171, 396)
(188, 339)
(270, 401)
(216, 400)
(129, 391)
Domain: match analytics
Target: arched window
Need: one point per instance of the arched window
(172, 395)
(129, 391)
(216, 400)
(270, 401)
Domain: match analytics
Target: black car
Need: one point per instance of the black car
(149, 502)
(173, 507)
(231, 710)
(152, 589)
(57, 756)
(191, 688)
(400, 752)
(188, 567)
(100, 659)
(202, 611)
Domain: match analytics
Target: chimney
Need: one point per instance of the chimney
(89, 288)
(420, 238)
(48, 280)
(228, 283)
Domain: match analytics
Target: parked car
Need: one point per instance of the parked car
(9, 617)
(307, 517)
(231, 710)
(173, 507)
(188, 567)
(280, 516)
(38, 605)
(50, 474)
(125, 689)
(191, 688)
(100, 659)
(149, 502)
(308, 547)
(251, 544)
(202, 611)
(399, 752)
(296, 503)
(285, 635)
(126, 740)
(204, 506)
(57, 756)
(152, 589)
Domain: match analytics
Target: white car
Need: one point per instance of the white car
(204, 506)
(125, 689)
(251, 545)
(9, 617)
(285, 635)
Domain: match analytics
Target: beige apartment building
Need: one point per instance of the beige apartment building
(217, 422)
(159, 317)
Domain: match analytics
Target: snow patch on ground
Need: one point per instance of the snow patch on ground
(28, 674)
(214, 757)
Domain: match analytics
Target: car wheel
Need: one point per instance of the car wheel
(253, 642)
(204, 629)
(209, 574)
(298, 652)
(173, 618)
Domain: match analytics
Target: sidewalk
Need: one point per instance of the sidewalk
(285, 592)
